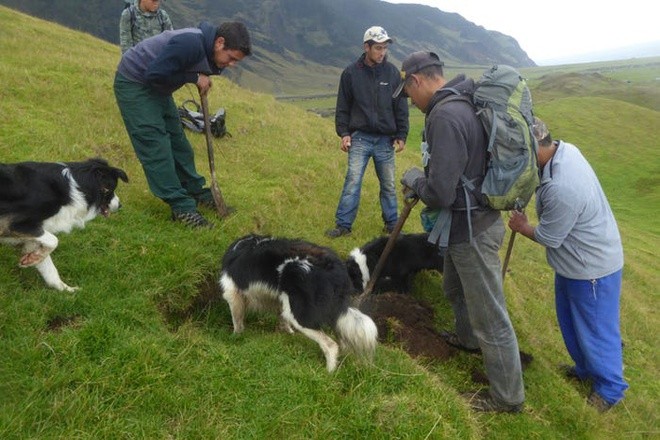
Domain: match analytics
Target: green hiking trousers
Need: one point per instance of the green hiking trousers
(154, 127)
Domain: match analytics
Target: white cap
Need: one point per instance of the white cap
(377, 34)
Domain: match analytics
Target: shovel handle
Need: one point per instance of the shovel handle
(220, 205)
(408, 205)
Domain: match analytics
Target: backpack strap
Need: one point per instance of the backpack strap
(468, 185)
(439, 235)
(131, 11)
(455, 96)
(194, 120)
(159, 14)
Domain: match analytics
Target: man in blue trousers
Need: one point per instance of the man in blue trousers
(583, 246)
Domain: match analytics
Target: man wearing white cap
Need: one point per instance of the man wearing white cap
(371, 124)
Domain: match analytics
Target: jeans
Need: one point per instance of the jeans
(167, 158)
(363, 147)
(588, 315)
(472, 282)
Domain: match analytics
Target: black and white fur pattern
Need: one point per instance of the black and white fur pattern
(40, 199)
(410, 254)
(307, 284)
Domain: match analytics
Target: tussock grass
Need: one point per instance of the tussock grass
(145, 349)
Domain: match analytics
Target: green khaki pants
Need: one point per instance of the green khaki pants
(153, 125)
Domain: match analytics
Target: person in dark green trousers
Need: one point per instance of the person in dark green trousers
(146, 77)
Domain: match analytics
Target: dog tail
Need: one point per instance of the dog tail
(357, 333)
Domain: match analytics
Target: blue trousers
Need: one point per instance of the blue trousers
(472, 282)
(588, 315)
(365, 146)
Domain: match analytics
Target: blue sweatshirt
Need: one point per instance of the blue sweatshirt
(169, 60)
(576, 224)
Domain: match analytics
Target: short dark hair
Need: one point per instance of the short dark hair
(236, 36)
(546, 141)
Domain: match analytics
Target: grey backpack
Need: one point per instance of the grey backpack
(503, 103)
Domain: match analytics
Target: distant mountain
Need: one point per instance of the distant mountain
(644, 50)
(314, 33)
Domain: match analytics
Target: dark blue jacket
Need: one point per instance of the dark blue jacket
(169, 60)
(364, 101)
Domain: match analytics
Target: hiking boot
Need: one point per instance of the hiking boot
(452, 339)
(600, 404)
(192, 219)
(388, 229)
(337, 231)
(482, 401)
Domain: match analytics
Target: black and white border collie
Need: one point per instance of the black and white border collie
(410, 254)
(307, 284)
(40, 199)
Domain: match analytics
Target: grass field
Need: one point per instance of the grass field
(145, 348)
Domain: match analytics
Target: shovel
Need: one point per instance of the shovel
(220, 205)
(408, 205)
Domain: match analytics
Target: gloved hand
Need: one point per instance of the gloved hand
(408, 180)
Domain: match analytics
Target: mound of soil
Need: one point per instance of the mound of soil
(409, 323)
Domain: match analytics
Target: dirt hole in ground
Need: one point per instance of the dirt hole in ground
(402, 320)
(57, 323)
(409, 323)
(207, 298)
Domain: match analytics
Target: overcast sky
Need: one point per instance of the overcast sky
(558, 29)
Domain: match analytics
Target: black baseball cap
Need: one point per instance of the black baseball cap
(413, 64)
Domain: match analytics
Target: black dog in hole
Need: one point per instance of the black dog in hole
(411, 254)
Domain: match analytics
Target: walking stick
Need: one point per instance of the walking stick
(220, 205)
(408, 203)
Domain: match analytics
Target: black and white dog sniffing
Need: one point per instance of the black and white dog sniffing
(41, 199)
(307, 284)
(411, 254)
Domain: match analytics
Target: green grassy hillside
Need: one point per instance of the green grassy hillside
(144, 349)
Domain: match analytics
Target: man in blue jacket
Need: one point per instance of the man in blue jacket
(146, 77)
(371, 124)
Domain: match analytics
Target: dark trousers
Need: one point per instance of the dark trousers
(153, 125)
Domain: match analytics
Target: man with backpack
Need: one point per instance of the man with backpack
(456, 146)
(141, 19)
